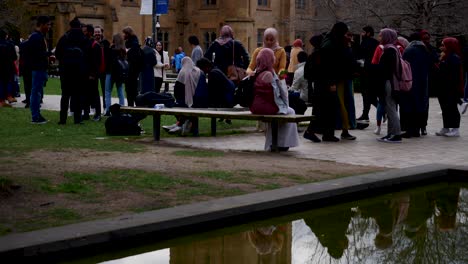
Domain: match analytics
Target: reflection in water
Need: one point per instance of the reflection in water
(423, 226)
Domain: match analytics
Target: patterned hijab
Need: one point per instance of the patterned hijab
(271, 32)
(226, 35)
(189, 76)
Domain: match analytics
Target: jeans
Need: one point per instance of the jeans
(465, 96)
(38, 80)
(108, 96)
(393, 122)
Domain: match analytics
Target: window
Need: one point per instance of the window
(260, 37)
(209, 35)
(300, 4)
(163, 36)
(209, 2)
(263, 3)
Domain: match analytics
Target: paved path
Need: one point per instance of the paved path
(364, 151)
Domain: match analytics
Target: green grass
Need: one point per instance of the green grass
(218, 175)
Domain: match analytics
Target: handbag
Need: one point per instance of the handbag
(234, 73)
(244, 93)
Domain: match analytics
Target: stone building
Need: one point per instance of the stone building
(203, 18)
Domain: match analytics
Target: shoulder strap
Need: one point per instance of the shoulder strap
(233, 46)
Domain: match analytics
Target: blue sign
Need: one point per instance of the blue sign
(162, 7)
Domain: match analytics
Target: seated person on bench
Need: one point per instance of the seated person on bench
(191, 91)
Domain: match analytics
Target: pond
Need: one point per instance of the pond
(423, 225)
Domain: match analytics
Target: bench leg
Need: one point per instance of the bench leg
(274, 136)
(157, 127)
(213, 126)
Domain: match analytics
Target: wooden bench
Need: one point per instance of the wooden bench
(213, 113)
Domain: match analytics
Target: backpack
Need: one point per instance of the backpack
(149, 99)
(121, 68)
(244, 93)
(73, 58)
(404, 77)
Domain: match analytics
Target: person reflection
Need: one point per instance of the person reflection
(387, 213)
(446, 201)
(267, 240)
(330, 230)
(420, 209)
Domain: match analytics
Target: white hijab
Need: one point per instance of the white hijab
(189, 76)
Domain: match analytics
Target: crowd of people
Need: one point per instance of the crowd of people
(286, 79)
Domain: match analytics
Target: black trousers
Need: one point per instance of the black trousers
(450, 114)
(131, 89)
(27, 80)
(158, 84)
(72, 95)
(92, 98)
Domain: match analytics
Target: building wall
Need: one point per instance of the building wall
(189, 17)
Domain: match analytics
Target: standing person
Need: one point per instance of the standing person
(135, 58)
(93, 61)
(118, 71)
(39, 65)
(413, 104)
(340, 66)
(296, 48)
(105, 60)
(8, 55)
(70, 52)
(147, 72)
(312, 70)
(162, 64)
(388, 72)
(270, 41)
(224, 48)
(197, 51)
(178, 56)
(270, 98)
(450, 87)
(434, 53)
(367, 81)
(25, 71)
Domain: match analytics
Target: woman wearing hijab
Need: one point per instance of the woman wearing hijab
(162, 63)
(388, 71)
(190, 90)
(450, 87)
(226, 51)
(293, 61)
(270, 98)
(270, 40)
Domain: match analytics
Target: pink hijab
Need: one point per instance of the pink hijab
(389, 37)
(265, 71)
(226, 35)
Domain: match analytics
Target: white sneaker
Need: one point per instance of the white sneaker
(454, 132)
(175, 130)
(442, 132)
(377, 130)
(168, 128)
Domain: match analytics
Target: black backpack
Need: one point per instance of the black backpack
(149, 99)
(121, 68)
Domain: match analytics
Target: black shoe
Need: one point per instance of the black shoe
(78, 123)
(107, 114)
(390, 139)
(312, 137)
(406, 135)
(330, 139)
(363, 118)
(97, 118)
(283, 148)
(39, 121)
(25, 101)
(62, 122)
(26, 105)
(423, 131)
(347, 136)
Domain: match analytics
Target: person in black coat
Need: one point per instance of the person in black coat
(8, 55)
(72, 69)
(93, 61)
(135, 62)
(224, 52)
